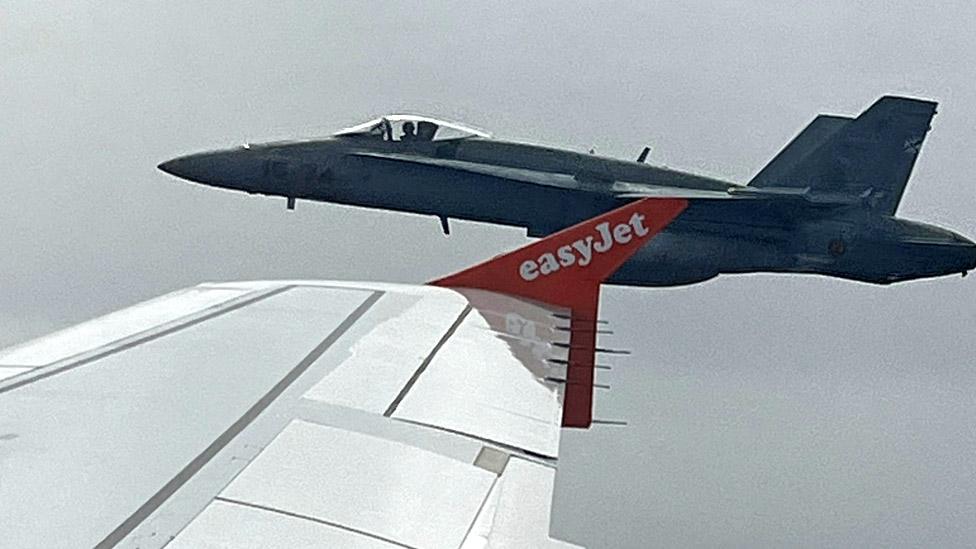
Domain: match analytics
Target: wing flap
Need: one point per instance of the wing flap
(521, 504)
(225, 524)
(373, 485)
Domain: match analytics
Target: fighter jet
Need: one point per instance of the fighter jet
(826, 204)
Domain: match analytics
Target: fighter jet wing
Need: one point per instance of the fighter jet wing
(314, 413)
(622, 189)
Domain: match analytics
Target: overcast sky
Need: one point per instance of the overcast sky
(765, 410)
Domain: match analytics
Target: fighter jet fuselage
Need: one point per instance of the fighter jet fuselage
(825, 205)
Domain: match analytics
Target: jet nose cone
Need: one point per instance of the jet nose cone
(194, 167)
(171, 167)
(233, 168)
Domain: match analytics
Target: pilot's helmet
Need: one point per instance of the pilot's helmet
(408, 127)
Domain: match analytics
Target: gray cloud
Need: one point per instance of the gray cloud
(765, 410)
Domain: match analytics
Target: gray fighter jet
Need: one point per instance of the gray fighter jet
(826, 204)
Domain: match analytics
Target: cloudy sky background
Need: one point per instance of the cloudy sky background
(765, 410)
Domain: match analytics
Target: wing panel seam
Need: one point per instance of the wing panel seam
(192, 468)
(311, 519)
(426, 362)
(480, 510)
(514, 451)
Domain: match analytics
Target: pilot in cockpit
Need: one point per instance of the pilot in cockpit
(409, 132)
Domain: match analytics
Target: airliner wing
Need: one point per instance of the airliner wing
(312, 413)
(286, 414)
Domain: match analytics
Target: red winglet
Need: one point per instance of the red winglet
(565, 269)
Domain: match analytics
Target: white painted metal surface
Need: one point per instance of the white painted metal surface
(383, 360)
(116, 326)
(11, 372)
(93, 443)
(225, 525)
(284, 414)
(517, 510)
(523, 504)
(365, 483)
(478, 384)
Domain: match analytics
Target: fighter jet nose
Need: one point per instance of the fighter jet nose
(192, 167)
(232, 168)
(171, 167)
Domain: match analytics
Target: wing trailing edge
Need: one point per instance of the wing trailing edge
(565, 270)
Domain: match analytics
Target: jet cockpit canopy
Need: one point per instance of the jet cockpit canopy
(409, 127)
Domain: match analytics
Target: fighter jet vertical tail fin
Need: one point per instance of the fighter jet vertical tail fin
(806, 142)
(565, 270)
(870, 156)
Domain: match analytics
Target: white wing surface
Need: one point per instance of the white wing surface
(286, 414)
(316, 414)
